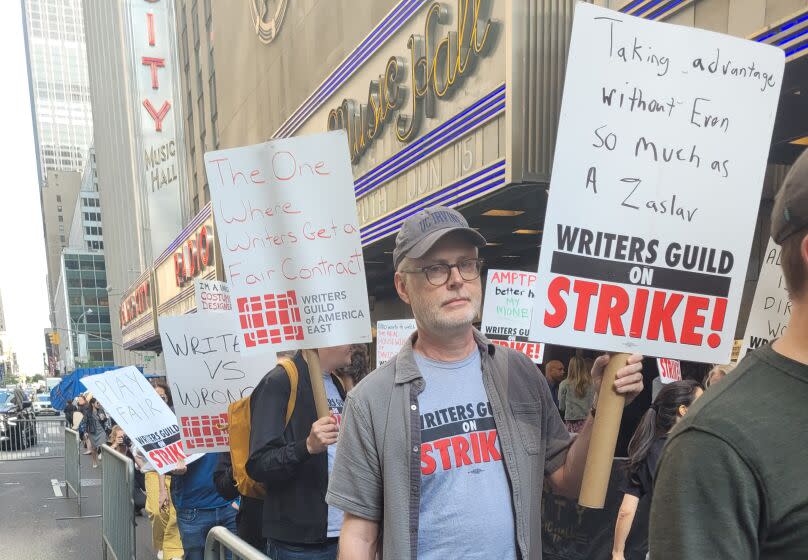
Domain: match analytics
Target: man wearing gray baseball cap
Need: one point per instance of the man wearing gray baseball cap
(444, 449)
(731, 482)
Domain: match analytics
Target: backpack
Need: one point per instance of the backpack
(239, 427)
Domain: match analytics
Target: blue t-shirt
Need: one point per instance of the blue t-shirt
(195, 489)
(335, 403)
(466, 509)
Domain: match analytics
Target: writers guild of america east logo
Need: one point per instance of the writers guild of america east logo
(267, 17)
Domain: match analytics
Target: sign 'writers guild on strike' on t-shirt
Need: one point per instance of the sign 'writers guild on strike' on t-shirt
(286, 218)
(664, 134)
(462, 472)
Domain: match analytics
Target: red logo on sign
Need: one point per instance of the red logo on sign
(204, 431)
(270, 319)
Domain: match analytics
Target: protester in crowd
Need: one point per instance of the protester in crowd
(554, 373)
(294, 456)
(70, 408)
(717, 374)
(731, 481)
(159, 506)
(250, 514)
(95, 430)
(575, 395)
(120, 442)
(199, 506)
(442, 414)
(79, 423)
(644, 451)
(358, 368)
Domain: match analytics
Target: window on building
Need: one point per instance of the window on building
(58, 198)
(58, 208)
(87, 231)
(62, 239)
(101, 245)
(196, 202)
(61, 218)
(206, 193)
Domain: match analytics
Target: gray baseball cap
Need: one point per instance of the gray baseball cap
(421, 231)
(790, 211)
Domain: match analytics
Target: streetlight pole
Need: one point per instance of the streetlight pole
(82, 317)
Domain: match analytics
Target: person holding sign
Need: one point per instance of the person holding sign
(292, 453)
(748, 497)
(644, 450)
(444, 448)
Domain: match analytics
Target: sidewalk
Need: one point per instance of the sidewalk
(29, 529)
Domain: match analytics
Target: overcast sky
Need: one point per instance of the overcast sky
(23, 268)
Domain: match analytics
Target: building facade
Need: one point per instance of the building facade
(134, 84)
(444, 102)
(82, 310)
(54, 38)
(58, 196)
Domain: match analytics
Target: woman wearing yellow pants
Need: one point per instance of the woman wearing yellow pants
(165, 534)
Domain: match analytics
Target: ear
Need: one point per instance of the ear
(401, 287)
(681, 411)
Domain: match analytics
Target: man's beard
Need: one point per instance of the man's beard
(436, 320)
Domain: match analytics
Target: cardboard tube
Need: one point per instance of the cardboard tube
(604, 437)
(317, 385)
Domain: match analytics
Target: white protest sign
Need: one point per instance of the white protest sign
(286, 218)
(669, 370)
(391, 336)
(664, 133)
(771, 306)
(206, 372)
(212, 295)
(507, 311)
(139, 410)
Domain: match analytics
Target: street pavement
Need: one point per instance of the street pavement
(29, 512)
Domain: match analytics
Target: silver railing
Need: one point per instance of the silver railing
(117, 506)
(72, 453)
(221, 542)
(31, 438)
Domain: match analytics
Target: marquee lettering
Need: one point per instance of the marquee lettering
(435, 68)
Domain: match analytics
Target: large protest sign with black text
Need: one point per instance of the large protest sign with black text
(507, 311)
(771, 306)
(137, 408)
(206, 372)
(286, 217)
(664, 134)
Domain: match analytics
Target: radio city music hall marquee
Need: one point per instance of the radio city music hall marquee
(435, 69)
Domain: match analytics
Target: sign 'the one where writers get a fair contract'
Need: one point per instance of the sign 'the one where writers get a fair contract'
(664, 132)
(290, 241)
(391, 336)
(145, 418)
(507, 311)
(771, 306)
(207, 371)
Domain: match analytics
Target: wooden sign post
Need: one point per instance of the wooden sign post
(604, 437)
(317, 386)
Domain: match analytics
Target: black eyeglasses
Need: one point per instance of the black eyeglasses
(439, 274)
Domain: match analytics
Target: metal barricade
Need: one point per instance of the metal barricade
(117, 506)
(220, 542)
(72, 452)
(31, 438)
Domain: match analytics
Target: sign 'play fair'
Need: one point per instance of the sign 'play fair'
(286, 217)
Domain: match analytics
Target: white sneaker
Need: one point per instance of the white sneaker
(160, 555)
